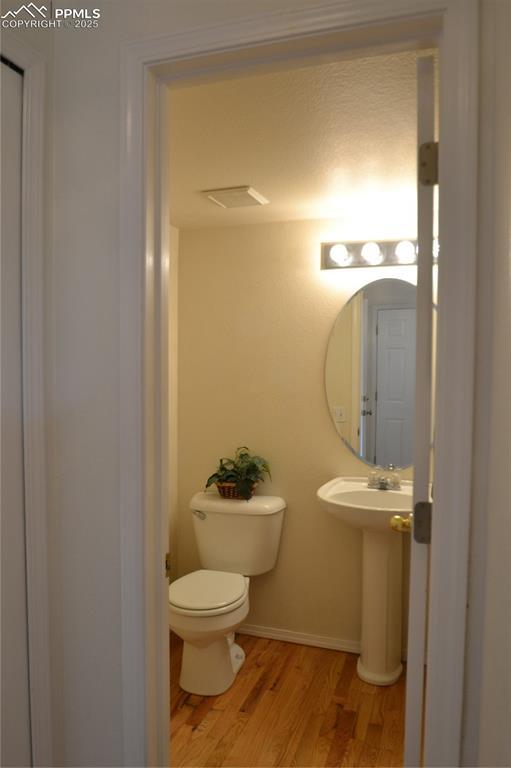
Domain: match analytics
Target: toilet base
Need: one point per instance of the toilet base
(237, 657)
(211, 670)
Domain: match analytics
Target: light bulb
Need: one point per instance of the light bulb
(405, 252)
(371, 252)
(436, 248)
(340, 255)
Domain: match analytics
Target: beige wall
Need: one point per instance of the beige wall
(255, 314)
(338, 368)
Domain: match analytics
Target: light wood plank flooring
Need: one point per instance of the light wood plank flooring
(291, 705)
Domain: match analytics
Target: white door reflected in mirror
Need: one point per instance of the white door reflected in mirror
(370, 372)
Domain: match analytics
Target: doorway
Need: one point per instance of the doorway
(231, 266)
(453, 148)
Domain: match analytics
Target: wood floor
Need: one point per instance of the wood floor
(291, 705)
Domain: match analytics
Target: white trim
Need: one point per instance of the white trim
(302, 638)
(156, 489)
(143, 467)
(337, 16)
(305, 638)
(417, 613)
(458, 158)
(161, 534)
(131, 288)
(34, 438)
(494, 224)
(459, 61)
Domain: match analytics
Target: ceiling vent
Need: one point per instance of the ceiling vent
(235, 197)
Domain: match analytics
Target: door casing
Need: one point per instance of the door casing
(33, 234)
(354, 27)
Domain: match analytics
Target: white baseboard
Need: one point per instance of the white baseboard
(302, 638)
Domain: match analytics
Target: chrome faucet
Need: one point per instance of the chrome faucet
(384, 479)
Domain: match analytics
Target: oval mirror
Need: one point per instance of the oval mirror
(370, 372)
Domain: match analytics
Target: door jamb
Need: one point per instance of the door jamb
(33, 65)
(142, 260)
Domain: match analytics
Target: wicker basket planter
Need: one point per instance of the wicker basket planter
(228, 490)
(237, 477)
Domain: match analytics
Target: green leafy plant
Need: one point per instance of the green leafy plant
(244, 470)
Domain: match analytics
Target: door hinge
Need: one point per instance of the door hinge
(428, 163)
(422, 522)
(167, 565)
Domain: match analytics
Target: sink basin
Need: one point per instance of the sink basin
(349, 499)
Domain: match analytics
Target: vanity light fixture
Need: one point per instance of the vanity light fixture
(388, 253)
(340, 255)
(405, 252)
(372, 254)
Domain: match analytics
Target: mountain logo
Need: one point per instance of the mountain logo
(32, 9)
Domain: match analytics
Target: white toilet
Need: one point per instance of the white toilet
(236, 539)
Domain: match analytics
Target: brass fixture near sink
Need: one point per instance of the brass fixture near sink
(401, 524)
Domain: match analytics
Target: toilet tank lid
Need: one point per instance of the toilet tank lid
(210, 501)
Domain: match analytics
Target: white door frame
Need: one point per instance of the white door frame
(34, 419)
(143, 258)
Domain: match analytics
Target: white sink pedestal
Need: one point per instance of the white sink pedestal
(380, 659)
(350, 500)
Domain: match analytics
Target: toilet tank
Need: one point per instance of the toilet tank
(237, 535)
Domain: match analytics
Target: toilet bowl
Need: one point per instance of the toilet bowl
(236, 539)
(205, 607)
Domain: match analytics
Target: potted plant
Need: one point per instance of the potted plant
(237, 478)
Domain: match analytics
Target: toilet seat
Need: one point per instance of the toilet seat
(208, 593)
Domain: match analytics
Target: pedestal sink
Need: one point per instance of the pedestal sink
(349, 499)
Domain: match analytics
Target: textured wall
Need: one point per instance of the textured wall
(255, 314)
(300, 136)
